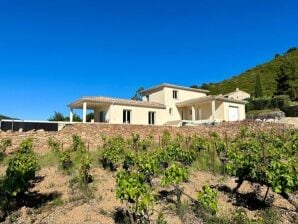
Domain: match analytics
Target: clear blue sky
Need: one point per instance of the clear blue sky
(54, 51)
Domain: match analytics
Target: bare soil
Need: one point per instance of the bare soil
(71, 207)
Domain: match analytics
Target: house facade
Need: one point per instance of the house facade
(165, 104)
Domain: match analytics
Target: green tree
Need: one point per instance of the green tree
(60, 117)
(57, 117)
(138, 95)
(282, 82)
(258, 87)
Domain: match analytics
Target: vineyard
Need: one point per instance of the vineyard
(250, 177)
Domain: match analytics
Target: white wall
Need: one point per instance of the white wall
(182, 96)
(139, 115)
(241, 110)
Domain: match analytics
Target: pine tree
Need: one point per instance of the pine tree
(258, 87)
(282, 82)
(138, 95)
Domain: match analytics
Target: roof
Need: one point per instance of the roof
(118, 101)
(209, 98)
(236, 91)
(163, 85)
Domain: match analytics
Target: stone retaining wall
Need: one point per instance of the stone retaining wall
(92, 133)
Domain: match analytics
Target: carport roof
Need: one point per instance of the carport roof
(101, 100)
(207, 99)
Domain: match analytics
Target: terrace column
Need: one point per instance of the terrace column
(193, 113)
(84, 112)
(71, 115)
(213, 109)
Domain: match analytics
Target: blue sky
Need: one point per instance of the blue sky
(54, 51)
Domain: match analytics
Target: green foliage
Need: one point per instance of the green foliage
(84, 175)
(21, 169)
(175, 153)
(148, 166)
(133, 188)
(4, 143)
(258, 87)
(174, 175)
(78, 144)
(138, 94)
(65, 160)
(282, 81)
(54, 144)
(246, 80)
(60, 117)
(240, 217)
(268, 159)
(269, 216)
(198, 143)
(166, 138)
(208, 199)
(113, 153)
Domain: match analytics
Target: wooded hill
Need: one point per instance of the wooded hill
(267, 71)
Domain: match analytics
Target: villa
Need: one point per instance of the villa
(164, 104)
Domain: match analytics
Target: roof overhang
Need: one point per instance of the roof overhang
(209, 99)
(93, 102)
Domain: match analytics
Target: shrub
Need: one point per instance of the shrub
(166, 138)
(21, 169)
(78, 144)
(85, 177)
(208, 199)
(240, 217)
(65, 160)
(54, 144)
(133, 189)
(4, 143)
(198, 143)
(113, 153)
(280, 102)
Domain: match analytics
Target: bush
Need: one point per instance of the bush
(78, 144)
(113, 153)
(208, 199)
(54, 144)
(65, 160)
(291, 111)
(280, 102)
(258, 104)
(4, 143)
(136, 192)
(21, 169)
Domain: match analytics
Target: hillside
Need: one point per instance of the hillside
(246, 80)
(4, 117)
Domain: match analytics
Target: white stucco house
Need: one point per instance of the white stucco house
(164, 104)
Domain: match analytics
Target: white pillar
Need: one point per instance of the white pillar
(213, 109)
(84, 112)
(193, 113)
(71, 115)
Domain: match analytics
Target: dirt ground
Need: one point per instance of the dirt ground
(70, 207)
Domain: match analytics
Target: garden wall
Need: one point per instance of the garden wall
(92, 133)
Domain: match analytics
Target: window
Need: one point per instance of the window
(175, 94)
(126, 116)
(147, 98)
(171, 111)
(151, 117)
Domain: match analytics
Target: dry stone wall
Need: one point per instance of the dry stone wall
(92, 133)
